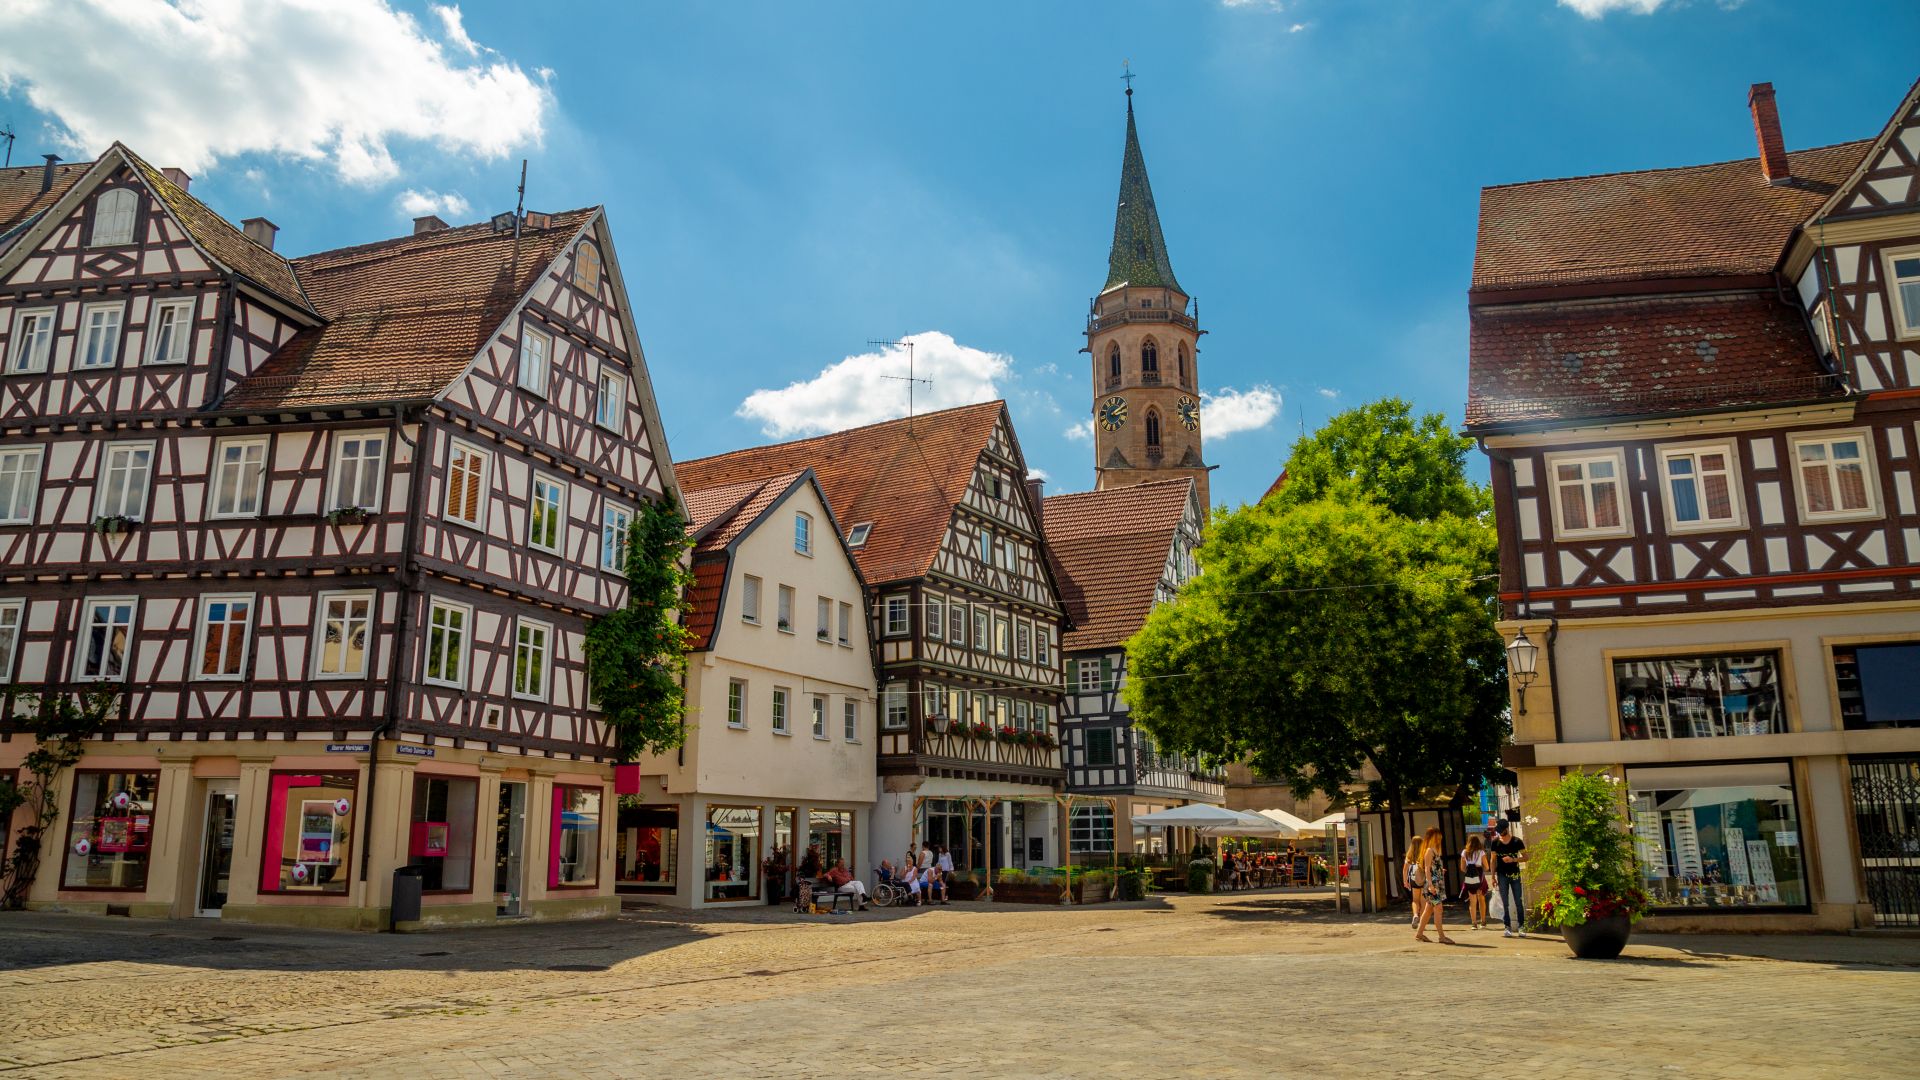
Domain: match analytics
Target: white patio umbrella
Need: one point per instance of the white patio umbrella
(1195, 816)
(1252, 824)
(1292, 821)
(1337, 818)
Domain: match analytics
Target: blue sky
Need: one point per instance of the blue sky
(789, 181)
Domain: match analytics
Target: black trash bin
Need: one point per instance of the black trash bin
(407, 881)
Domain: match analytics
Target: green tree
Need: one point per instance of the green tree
(1348, 621)
(1379, 451)
(637, 655)
(60, 724)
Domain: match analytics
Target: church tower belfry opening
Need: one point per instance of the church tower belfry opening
(1143, 335)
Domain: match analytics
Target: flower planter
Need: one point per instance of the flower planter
(1026, 892)
(1092, 892)
(1598, 939)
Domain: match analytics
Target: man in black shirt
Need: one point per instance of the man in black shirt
(1508, 855)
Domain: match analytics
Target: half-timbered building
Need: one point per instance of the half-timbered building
(966, 619)
(779, 754)
(1116, 554)
(1697, 387)
(331, 528)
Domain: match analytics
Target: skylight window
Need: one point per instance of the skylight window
(857, 536)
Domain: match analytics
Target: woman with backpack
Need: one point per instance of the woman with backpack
(1430, 877)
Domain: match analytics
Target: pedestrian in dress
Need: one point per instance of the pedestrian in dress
(1407, 865)
(1430, 877)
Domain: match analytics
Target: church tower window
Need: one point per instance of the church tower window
(1113, 362)
(1181, 356)
(1150, 358)
(1153, 427)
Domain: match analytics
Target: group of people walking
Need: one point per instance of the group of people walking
(1492, 860)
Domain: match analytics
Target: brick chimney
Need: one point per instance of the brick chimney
(1766, 128)
(178, 176)
(430, 223)
(1037, 494)
(260, 231)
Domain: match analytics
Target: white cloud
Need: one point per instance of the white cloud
(1080, 432)
(455, 28)
(1594, 9)
(1231, 411)
(1297, 27)
(866, 388)
(1327, 392)
(1265, 5)
(1038, 474)
(450, 205)
(191, 82)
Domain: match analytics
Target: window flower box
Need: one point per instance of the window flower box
(785, 626)
(114, 524)
(348, 515)
(1008, 735)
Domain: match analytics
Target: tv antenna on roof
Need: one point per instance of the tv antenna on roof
(6, 132)
(908, 378)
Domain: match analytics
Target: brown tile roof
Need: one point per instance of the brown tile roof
(717, 516)
(404, 316)
(904, 480)
(21, 199)
(1108, 549)
(702, 610)
(1696, 221)
(220, 238)
(1637, 356)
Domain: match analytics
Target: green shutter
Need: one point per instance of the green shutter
(1073, 676)
(1106, 672)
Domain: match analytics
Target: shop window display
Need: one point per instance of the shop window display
(831, 831)
(110, 830)
(1878, 684)
(649, 849)
(309, 833)
(733, 853)
(1719, 836)
(575, 853)
(1690, 697)
(440, 837)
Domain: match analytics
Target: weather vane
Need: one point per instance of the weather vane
(1127, 76)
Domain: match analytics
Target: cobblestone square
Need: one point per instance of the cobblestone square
(1257, 984)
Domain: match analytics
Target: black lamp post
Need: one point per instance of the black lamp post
(1523, 665)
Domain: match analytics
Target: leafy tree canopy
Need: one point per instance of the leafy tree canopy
(636, 655)
(1414, 467)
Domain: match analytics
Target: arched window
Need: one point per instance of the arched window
(1153, 427)
(1150, 357)
(1182, 355)
(113, 217)
(586, 266)
(1113, 362)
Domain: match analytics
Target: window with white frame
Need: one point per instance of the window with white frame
(359, 463)
(1089, 675)
(532, 654)
(819, 716)
(986, 546)
(586, 266)
(113, 211)
(19, 483)
(447, 625)
(610, 401)
(957, 623)
(536, 360)
(1023, 642)
(803, 533)
(170, 332)
(857, 536)
(1091, 829)
(239, 473)
(736, 703)
(895, 714)
(896, 616)
(783, 614)
(846, 624)
(780, 694)
(933, 700)
(936, 617)
(1042, 637)
(823, 619)
(106, 639)
(32, 342)
(981, 627)
(850, 720)
(126, 473)
(226, 627)
(750, 599)
(467, 484)
(345, 630)
(1702, 487)
(99, 336)
(546, 513)
(1588, 500)
(1834, 474)
(1020, 715)
(614, 521)
(1002, 636)
(12, 617)
(1903, 282)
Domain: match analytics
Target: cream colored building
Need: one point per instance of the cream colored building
(779, 754)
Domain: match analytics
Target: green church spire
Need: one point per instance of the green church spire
(1139, 255)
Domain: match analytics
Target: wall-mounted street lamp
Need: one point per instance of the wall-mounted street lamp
(1523, 665)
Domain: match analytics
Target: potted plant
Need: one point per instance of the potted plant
(1008, 735)
(1133, 883)
(982, 732)
(347, 515)
(1585, 867)
(112, 524)
(786, 626)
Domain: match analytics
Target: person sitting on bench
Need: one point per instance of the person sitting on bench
(842, 880)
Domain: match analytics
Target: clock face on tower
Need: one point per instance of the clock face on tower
(1113, 413)
(1189, 413)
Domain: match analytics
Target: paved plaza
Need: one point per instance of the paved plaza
(1260, 984)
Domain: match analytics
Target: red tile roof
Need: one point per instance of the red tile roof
(717, 516)
(903, 478)
(1108, 549)
(21, 199)
(1637, 356)
(404, 316)
(220, 238)
(702, 610)
(1696, 221)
